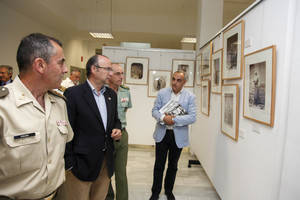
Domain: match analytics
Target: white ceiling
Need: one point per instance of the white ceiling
(160, 22)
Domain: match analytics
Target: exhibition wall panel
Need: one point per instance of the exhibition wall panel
(140, 123)
(251, 168)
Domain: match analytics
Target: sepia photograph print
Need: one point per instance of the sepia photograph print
(206, 52)
(205, 97)
(188, 67)
(216, 76)
(259, 86)
(158, 79)
(198, 69)
(230, 111)
(233, 47)
(136, 70)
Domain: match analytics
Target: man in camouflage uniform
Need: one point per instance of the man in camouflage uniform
(121, 147)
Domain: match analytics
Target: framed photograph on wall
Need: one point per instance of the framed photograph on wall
(230, 111)
(188, 66)
(233, 48)
(198, 69)
(158, 79)
(216, 75)
(206, 52)
(259, 85)
(205, 97)
(136, 70)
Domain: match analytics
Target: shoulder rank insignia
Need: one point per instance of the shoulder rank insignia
(124, 87)
(3, 92)
(57, 94)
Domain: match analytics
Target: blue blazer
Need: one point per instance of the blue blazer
(180, 128)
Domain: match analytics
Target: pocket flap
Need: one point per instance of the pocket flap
(63, 129)
(22, 139)
(81, 150)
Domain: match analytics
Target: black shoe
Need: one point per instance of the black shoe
(154, 197)
(170, 196)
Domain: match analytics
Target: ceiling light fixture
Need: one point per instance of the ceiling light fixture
(189, 40)
(102, 35)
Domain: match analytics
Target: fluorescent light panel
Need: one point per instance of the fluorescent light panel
(189, 40)
(102, 35)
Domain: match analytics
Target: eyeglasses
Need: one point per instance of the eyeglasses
(109, 69)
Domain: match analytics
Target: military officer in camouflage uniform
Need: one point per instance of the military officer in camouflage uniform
(34, 126)
(121, 147)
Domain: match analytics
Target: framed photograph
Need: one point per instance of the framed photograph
(206, 60)
(205, 97)
(230, 111)
(198, 69)
(136, 70)
(259, 86)
(157, 80)
(188, 66)
(216, 76)
(233, 47)
(123, 67)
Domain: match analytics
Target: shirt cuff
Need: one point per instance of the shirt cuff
(162, 117)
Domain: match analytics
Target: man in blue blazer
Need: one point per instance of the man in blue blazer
(171, 133)
(92, 112)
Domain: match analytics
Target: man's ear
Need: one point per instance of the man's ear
(39, 65)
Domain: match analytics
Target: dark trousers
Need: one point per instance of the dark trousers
(166, 147)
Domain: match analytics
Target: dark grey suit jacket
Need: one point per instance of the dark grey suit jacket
(85, 153)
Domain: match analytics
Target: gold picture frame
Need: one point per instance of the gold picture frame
(136, 72)
(230, 111)
(259, 85)
(158, 79)
(205, 97)
(233, 51)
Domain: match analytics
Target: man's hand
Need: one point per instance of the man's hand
(168, 119)
(116, 134)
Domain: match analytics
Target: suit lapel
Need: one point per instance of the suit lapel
(90, 99)
(182, 97)
(108, 101)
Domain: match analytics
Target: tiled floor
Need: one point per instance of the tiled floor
(191, 183)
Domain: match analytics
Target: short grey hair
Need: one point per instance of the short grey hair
(8, 67)
(35, 45)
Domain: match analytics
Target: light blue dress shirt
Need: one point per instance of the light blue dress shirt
(100, 101)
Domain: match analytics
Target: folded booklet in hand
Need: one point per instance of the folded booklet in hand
(173, 108)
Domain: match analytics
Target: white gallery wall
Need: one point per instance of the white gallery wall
(140, 123)
(14, 26)
(264, 163)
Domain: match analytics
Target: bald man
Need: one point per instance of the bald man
(93, 115)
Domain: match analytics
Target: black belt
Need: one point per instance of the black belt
(43, 198)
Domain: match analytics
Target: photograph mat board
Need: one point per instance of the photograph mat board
(198, 69)
(233, 51)
(259, 85)
(205, 97)
(188, 66)
(229, 112)
(136, 70)
(158, 79)
(216, 78)
(206, 52)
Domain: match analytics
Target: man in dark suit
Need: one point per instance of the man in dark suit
(92, 111)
